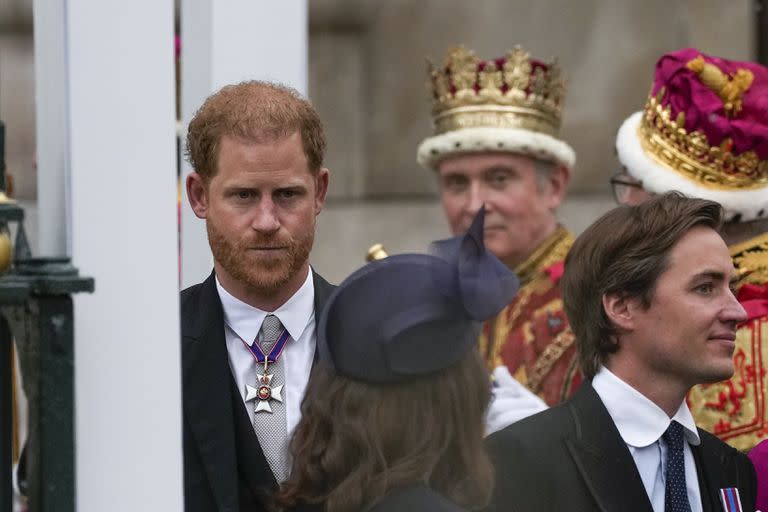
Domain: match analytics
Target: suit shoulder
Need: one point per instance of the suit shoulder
(321, 281)
(190, 294)
(322, 286)
(546, 425)
(714, 442)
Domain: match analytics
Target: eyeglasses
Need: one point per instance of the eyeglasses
(622, 184)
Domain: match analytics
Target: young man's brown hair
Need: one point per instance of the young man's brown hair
(624, 252)
(253, 111)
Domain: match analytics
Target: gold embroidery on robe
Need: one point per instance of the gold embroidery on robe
(531, 336)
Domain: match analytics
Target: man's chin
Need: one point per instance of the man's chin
(264, 275)
(718, 373)
(494, 245)
(269, 277)
(267, 286)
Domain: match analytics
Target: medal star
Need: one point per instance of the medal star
(275, 393)
(263, 405)
(261, 379)
(251, 393)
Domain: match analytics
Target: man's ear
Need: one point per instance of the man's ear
(321, 188)
(619, 309)
(558, 180)
(197, 193)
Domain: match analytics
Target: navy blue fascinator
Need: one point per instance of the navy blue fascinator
(414, 314)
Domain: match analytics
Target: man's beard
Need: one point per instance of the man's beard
(264, 275)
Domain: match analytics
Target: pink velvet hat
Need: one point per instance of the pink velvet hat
(703, 132)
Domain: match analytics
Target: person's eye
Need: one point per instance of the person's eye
(288, 193)
(499, 178)
(242, 196)
(455, 183)
(705, 288)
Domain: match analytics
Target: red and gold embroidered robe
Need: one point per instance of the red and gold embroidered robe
(531, 336)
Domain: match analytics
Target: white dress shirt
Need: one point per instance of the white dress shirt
(641, 424)
(243, 322)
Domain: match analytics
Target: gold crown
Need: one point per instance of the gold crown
(511, 92)
(691, 154)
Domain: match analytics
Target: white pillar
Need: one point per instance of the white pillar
(52, 129)
(224, 42)
(106, 68)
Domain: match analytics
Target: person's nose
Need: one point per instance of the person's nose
(476, 199)
(733, 311)
(265, 218)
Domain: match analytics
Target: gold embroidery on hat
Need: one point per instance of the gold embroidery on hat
(468, 92)
(730, 88)
(690, 154)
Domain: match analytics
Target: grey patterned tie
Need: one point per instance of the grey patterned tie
(271, 428)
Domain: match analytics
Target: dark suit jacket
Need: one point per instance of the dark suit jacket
(571, 457)
(419, 497)
(224, 467)
(416, 498)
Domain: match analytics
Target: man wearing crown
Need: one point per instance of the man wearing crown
(495, 143)
(704, 132)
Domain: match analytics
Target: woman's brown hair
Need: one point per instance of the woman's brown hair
(356, 440)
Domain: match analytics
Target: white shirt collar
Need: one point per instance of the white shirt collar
(245, 320)
(640, 421)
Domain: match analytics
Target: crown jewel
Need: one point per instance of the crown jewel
(514, 91)
(689, 152)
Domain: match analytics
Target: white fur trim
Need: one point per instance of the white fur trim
(470, 140)
(659, 178)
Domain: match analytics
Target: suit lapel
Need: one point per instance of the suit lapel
(605, 463)
(206, 381)
(701, 472)
(323, 291)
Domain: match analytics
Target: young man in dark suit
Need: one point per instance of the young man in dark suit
(648, 292)
(248, 331)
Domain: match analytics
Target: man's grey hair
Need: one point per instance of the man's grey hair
(544, 169)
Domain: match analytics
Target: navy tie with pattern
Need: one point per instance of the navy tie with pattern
(675, 490)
